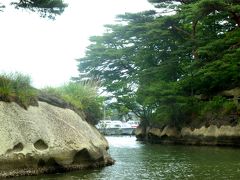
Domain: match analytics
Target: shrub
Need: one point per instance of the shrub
(217, 111)
(16, 87)
(229, 107)
(219, 105)
(6, 90)
(82, 96)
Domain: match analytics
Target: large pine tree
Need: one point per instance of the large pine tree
(158, 66)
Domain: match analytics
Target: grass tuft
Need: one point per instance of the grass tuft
(83, 96)
(16, 87)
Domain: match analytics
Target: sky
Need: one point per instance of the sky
(47, 50)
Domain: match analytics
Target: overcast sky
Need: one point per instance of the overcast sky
(46, 49)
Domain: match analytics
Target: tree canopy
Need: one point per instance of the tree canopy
(46, 8)
(158, 66)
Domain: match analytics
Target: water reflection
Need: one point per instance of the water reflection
(123, 142)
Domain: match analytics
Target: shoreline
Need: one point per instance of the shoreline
(204, 136)
(54, 169)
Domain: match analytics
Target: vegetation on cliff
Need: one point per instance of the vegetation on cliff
(83, 96)
(16, 87)
(172, 68)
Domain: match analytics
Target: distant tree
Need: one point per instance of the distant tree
(46, 8)
(112, 58)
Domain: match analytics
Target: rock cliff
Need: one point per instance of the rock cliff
(212, 135)
(47, 139)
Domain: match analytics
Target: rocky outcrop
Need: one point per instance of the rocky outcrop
(47, 139)
(213, 131)
(212, 135)
(58, 101)
(233, 94)
(140, 133)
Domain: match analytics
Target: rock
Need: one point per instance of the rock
(59, 102)
(47, 139)
(155, 132)
(53, 100)
(213, 131)
(232, 94)
(212, 135)
(170, 132)
(186, 131)
(139, 131)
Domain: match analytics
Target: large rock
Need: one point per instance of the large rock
(170, 132)
(47, 139)
(154, 132)
(140, 133)
(212, 135)
(213, 131)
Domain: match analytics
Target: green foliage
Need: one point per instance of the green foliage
(229, 107)
(82, 96)
(156, 65)
(6, 90)
(217, 111)
(16, 87)
(213, 105)
(46, 8)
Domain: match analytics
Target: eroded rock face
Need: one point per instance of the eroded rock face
(170, 132)
(155, 132)
(47, 139)
(212, 131)
(212, 135)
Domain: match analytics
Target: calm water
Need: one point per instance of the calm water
(138, 161)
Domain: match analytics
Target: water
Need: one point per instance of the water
(137, 161)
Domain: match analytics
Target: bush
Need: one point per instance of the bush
(6, 90)
(217, 111)
(161, 117)
(82, 96)
(229, 107)
(219, 105)
(16, 87)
